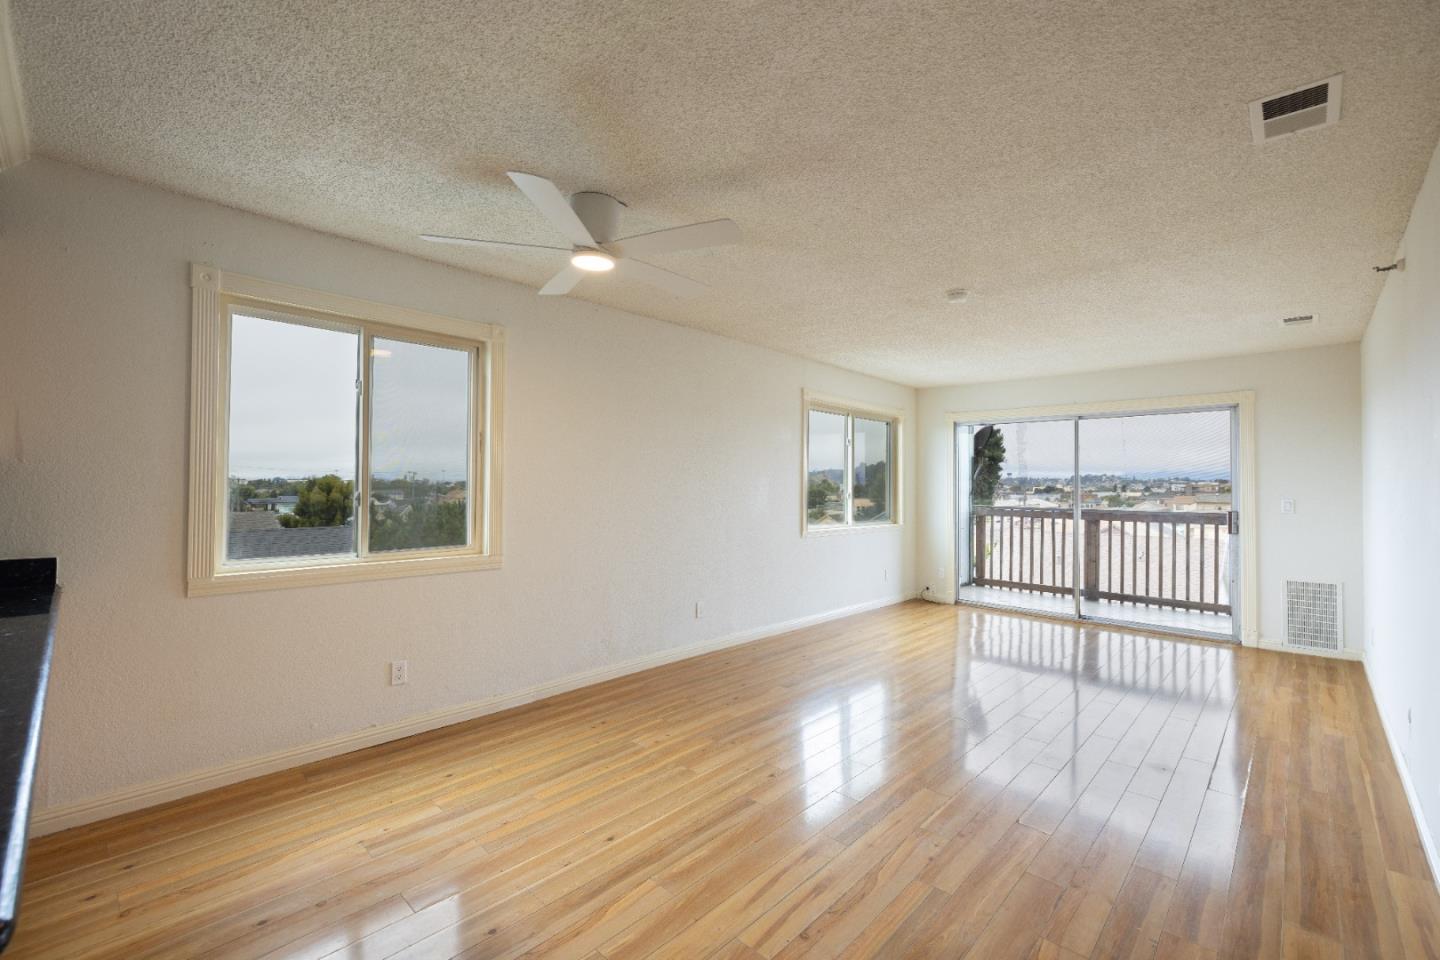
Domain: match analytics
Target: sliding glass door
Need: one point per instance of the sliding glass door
(1120, 518)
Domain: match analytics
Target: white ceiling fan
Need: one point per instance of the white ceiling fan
(590, 221)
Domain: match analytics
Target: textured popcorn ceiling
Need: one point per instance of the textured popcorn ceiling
(1084, 168)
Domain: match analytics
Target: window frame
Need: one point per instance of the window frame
(215, 294)
(850, 409)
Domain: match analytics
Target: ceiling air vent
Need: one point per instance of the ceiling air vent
(1314, 105)
(1303, 320)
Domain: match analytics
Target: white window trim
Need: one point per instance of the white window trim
(850, 408)
(211, 292)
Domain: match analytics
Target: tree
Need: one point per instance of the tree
(439, 524)
(240, 491)
(985, 464)
(324, 501)
(821, 491)
(874, 488)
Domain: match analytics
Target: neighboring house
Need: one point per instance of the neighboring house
(1199, 503)
(273, 504)
(392, 507)
(248, 521)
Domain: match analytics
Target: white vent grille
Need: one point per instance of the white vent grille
(1304, 108)
(1312, 615)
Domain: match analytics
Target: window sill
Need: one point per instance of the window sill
(352, 571)
(852, 528)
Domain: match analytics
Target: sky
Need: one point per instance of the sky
(827, 442)
(1190, 444)
(293, 404)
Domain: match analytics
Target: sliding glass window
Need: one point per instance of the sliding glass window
(335, 440)
(850, 467)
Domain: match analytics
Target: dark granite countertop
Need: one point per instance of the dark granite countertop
(29, 600)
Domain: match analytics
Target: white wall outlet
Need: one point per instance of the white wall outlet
(399, 672)
(699, 609)
(1287, 504)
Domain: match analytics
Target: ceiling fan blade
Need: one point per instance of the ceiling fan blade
(552, 203)
(468, 242)
(656, 277)
(712, 233)
(563, 282)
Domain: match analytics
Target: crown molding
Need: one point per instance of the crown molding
(14, 131)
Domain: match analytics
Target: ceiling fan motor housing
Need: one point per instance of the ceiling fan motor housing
(600, 213)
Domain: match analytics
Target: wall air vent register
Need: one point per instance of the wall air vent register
(1312, 615)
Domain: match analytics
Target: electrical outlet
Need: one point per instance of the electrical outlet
(699, 609)
(399, 672)
(1287, 505)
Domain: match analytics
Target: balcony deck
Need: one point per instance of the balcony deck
(1165, 619)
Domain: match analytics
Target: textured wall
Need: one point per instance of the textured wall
(1307, 438)
(647, 466)
(1401, 401)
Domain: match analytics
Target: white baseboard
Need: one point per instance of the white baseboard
(143, 795)
(1342, 654)
(1427, 842)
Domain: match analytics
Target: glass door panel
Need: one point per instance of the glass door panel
(1018, 482)
(1157, 512)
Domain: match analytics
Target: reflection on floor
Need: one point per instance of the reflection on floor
(1218, 625)
(921, 780)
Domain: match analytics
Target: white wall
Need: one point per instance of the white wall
(647, 466)
(1307, 437)
(1400, 371)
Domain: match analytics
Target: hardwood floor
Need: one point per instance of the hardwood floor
(919, 781)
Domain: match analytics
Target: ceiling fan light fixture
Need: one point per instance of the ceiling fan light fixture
(592, 261)
(589, 222)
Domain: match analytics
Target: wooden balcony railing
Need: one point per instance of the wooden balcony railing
(1157, 558)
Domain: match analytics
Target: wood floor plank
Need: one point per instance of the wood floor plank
(1136, 921)
(1417, 911)
(916, 781)
(1015, 930)
(1197, 909)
